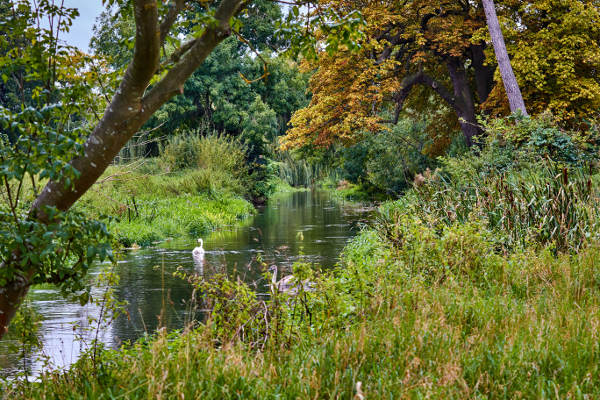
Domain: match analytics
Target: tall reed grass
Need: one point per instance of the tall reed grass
(195, 186)
(552, 205)
(300, 172)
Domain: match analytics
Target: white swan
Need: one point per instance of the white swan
(287, 284)
(198, 251)
(198, 256)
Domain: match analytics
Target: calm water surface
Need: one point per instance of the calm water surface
(307, 226)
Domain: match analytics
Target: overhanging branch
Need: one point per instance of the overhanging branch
(175, 7)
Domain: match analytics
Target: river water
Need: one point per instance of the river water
(308, 226)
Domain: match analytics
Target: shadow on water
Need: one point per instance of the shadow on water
(307, 226)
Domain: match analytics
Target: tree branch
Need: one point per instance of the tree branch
(175, 8)
(420, 78)
(171, 84)
(130, 108)
(146, 53)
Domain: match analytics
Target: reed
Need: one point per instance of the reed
(300, 172)
(552, 205)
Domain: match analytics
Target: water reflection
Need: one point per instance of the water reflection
(303, 225)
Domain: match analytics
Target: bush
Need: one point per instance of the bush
(519, 143)
(387, 162)
(213, 152)
(397, 155)
(530, 184)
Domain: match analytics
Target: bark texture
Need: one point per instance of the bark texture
(132, 105)
(465, 105)
(515, 99)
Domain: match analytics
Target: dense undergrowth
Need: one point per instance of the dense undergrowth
(483, 281)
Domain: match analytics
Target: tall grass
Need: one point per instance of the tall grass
(551, 205)
(299, 172)
(517, 326)
(212, 152)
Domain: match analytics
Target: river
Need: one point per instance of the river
(308, 226)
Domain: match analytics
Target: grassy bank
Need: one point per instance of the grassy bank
(148, 207)
(344, 190)
(522, 326)
(196, 185)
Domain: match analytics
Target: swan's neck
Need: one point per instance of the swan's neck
(201, 243)
(274, 277)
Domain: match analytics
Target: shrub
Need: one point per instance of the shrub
(397, 155)
(518, 143)
(213, 152)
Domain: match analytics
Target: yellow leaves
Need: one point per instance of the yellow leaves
(349, 90)
(555, 51)
(556, 57)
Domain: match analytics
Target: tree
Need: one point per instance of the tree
(132, 105)
(49, 242)
(217, 94)
(555, 54)
(513, 92)
(409, 45)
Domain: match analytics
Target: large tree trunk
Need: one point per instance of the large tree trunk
(484, 74)
(515, 99)
(465, 106)
(129, 109)
(461, 101)
(11, 297)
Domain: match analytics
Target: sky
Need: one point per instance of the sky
(81, 31)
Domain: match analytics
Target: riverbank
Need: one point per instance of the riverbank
(479, 284)
(144, 206)
(353, 192)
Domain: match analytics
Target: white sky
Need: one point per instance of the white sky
(81, 30)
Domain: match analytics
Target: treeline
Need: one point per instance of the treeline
(425, 80)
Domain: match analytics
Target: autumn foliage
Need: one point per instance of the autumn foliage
(435, 57)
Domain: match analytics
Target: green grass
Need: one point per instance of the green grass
(281, 187)
(344, 190)
(459, 290)
(189, 215)
(150, 207)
